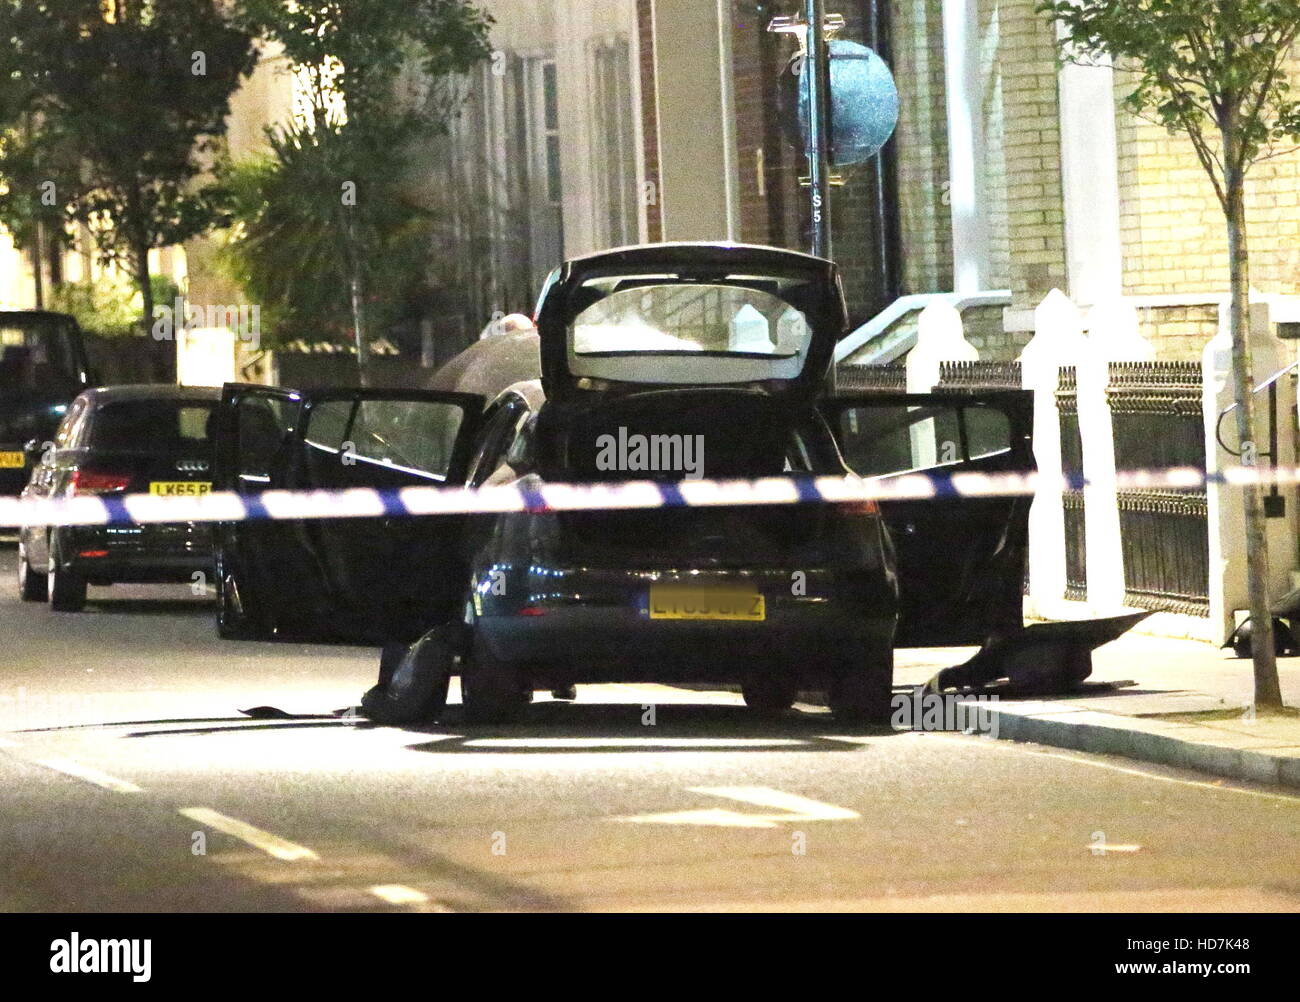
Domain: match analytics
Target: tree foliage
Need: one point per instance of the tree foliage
(285, 248)
(1215, 70)
(130, 107)
(328, 236)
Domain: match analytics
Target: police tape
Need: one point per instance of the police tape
(534, 495)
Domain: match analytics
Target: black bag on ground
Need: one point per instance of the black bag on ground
(413, 680)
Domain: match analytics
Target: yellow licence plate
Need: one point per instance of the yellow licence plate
(674, 601)
(180, 488)
(12, 460)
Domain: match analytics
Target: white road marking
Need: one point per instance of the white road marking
(397, 894)
(1202, 784)
(271, 844)
(1101, 850)
(793, 808)
(75, 769)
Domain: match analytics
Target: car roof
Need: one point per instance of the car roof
(148, 391)
(692, 250)
(42, 315)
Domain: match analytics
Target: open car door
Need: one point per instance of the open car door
(364, 580)
(961, 561)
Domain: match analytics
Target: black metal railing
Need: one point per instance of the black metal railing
(1074, 515)
(1157, 416)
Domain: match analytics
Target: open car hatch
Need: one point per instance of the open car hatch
(690, 315)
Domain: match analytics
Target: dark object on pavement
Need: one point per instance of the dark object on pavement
(413, 680)
(1041, 660)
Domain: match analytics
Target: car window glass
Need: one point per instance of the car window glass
(518, 454)
(35, 354)
(497, 436)
(264, 425)
(70, 425)
(151, 425)
(880, 440)
(413, 435)
(988, 431)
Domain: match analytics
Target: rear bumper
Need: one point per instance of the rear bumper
(582, 629)
(142, 554)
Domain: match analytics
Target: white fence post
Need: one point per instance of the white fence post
(1112, 337)
(1269, 354)
(1057, 341)
(940, 337)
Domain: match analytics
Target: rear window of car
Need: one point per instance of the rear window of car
(151, 425)
(34, 355)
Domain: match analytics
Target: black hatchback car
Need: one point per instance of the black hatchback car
(668, 363)
(121, 440)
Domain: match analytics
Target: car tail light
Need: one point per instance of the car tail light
(86, 482)
(93, 553)
(865, 507)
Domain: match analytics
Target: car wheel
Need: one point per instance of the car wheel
(768, 694)
(66, 589)
(492, 691)
(861, 693)
(31, 587)
(413, 681)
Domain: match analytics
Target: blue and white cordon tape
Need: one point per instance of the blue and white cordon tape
(532, 494)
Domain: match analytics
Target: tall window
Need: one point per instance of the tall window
(551, 130)
(613, 142)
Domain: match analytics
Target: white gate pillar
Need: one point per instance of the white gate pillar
(1112, 337)
(940, 337)
(1057, 341)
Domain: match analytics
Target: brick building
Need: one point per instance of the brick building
(1008, 175)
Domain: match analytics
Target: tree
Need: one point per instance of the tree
(359, 124)
(139, 93)
(1215, 71)
(289, 206)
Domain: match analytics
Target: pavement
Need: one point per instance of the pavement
(1182, 703)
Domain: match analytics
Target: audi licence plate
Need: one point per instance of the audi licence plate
(180, 488)
(676, 601)
(12, 460)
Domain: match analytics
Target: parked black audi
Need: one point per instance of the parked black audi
(42, 367)
(120, 440)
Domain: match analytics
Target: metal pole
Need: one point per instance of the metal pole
(817, 78)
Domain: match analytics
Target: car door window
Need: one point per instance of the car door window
(499, 435)
(264, 426)
(887, 439)
(411, 436)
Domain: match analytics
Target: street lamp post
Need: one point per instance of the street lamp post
(817, 78)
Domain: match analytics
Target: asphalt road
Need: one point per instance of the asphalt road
(129, 780)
